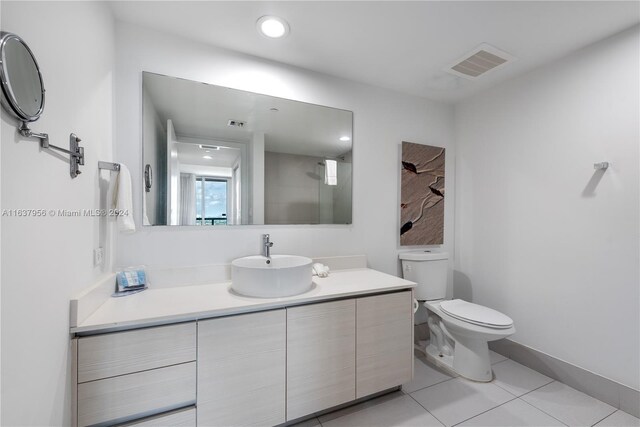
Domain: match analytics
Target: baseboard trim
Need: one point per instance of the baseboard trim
(615, 394)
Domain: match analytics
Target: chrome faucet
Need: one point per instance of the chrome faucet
(266, 246)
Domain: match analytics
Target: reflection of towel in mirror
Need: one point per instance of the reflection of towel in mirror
(145, 217)
(123, 201)
(331, 172)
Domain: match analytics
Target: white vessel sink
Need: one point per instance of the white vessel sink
(275, 277)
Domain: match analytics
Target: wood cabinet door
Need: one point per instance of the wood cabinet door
(241, 370)
(384, 342)
(321, 358)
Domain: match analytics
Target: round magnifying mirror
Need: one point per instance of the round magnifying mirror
(22, 86)
(148, 178)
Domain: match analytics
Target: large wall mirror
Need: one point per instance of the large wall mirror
(221, 156)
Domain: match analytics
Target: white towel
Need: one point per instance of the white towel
(331, 172)
(123, 201)
(320, 270)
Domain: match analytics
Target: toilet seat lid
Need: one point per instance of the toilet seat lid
(476, 314)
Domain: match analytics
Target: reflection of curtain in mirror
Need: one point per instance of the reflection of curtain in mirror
(187, 199)
(235, 196)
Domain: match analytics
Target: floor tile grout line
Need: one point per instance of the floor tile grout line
(484, 412)
(543, 411)
(533, 389)
(422, 388)
(429, 412)
(500, 361)
(491, 382)
(502, 388)
(538, 388)
(599, 421)
(510, 400)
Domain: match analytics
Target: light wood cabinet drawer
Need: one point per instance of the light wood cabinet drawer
(141, 394)
(120, 353)
(180, 418)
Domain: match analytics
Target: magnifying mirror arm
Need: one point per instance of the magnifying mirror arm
(26, 132)
(75, 152)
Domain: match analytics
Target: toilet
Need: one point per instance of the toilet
(460, 330)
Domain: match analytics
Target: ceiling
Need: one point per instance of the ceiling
(191, 154)
(397, 45)
(203, 111)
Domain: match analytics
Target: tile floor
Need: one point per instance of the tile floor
(518, 396)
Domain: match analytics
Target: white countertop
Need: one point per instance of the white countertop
(185, 303)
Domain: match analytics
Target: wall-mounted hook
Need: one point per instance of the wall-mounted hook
(601, 166)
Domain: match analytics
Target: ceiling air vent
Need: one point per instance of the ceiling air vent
(480, 61)
(236, 123)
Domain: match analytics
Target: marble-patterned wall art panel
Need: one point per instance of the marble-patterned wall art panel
(422, 195)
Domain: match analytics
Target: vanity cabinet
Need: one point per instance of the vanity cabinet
(242, 369)
(261, 368)
(321, 356)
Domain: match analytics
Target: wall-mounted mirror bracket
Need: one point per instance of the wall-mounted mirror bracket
(75, 152)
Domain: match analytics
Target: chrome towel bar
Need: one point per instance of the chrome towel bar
(109, 166)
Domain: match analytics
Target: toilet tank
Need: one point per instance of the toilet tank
(429, 270)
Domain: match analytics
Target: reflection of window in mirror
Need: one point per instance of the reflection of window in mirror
(211, 205)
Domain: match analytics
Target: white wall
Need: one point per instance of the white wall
(45, 261)
(382, 119)
(539, 234)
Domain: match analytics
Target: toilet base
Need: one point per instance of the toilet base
(471, 359)
(442, 361)
(467, 356)
(465, 362)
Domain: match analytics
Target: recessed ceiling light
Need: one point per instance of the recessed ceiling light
(272, 27)
(207, 157)
(345, 138)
